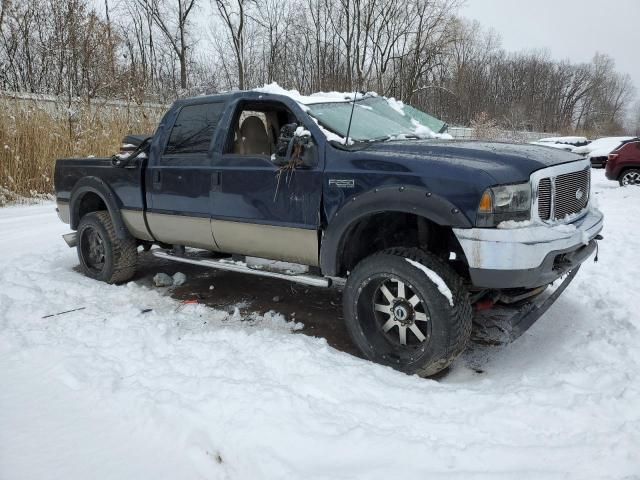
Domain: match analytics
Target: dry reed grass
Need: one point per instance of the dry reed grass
(33, 136)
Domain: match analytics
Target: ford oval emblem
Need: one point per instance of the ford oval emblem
(579, 194)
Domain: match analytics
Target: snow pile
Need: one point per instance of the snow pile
(601, 147)
(184, 391)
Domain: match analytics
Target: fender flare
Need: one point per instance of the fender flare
(405, 199)
(99, 187)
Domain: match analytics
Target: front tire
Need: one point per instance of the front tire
(102, 254)
(630, 177)
(407, 309)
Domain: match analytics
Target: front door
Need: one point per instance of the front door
(258, 208)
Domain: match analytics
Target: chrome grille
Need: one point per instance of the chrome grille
(544, 199)
(563, 195)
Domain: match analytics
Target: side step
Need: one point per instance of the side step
(240, 267)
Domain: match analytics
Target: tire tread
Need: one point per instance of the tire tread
(460, 317)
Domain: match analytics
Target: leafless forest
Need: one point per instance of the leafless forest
(420, 51)
(417, 50)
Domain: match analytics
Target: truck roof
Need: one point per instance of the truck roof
(276, 90)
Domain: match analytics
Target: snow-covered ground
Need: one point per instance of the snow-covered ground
(186, 392)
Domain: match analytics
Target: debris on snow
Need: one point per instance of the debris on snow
(179, 278)
(162, 280)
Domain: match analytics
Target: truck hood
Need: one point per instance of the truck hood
(504, 162)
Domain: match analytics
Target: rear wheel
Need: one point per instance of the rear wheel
(630, 177)
(102, 254)
(407, 309)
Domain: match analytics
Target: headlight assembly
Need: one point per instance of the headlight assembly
(504, 203)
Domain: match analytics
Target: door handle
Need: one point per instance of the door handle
(216, 180)
(157, 177)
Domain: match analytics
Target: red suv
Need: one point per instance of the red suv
(623, 163)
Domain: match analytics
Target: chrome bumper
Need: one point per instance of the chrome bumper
(527, 247)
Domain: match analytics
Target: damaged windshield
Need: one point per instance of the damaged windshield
(376, 118)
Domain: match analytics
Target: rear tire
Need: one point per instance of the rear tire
(397, 315)
(102, 254)
(630, 177)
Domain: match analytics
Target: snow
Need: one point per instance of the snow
(567, 140)
(560, 146)
(601, 147)
(319, 97)
(189, 392)
(511, 224)
(435, 278)
(325, 97)
(302, 132)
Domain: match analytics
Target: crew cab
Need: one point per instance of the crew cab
(355, 191)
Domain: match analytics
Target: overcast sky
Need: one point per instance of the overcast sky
(569, 29)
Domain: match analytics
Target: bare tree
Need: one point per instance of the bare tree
(173, 20)
(233, 14)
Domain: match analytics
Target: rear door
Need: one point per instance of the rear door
(179, 178)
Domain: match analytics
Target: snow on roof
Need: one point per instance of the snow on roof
(601, 147)
(569, 140)
(421, 131)
(319, 97)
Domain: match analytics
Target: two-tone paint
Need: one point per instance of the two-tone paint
(239, 203)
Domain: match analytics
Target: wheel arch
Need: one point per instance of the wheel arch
(91, 194)
(626, 168)
(363, 213)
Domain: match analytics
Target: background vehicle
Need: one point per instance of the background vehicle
(562, 143)
(598, 150)
(357, 193)
(623, 164)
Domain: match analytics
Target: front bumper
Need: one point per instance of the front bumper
(530, 256)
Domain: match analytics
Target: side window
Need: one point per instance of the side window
(256, 129)
(194, 128)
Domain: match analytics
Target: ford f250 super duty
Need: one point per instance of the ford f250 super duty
(422, 233)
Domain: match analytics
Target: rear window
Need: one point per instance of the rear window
(194, 128)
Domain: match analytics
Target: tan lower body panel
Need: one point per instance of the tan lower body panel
(296, 245)
(134, 221)
(63, 211)
(182, 230)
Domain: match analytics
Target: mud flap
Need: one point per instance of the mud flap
(504, 323)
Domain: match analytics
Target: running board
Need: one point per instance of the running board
(240, 267)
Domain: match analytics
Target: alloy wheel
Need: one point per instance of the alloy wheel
(401, 314)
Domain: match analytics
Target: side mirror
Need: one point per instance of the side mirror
(294, 146)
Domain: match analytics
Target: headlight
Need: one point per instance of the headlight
(503, 203)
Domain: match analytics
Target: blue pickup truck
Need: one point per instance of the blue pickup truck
(355, 191)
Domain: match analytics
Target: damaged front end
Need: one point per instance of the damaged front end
(500, 317)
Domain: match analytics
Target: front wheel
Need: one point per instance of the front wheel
(630, 177)
(102, 254)
(407, 309)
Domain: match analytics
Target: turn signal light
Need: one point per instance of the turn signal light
(486, 203)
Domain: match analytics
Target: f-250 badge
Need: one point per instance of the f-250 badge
(341, 183)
